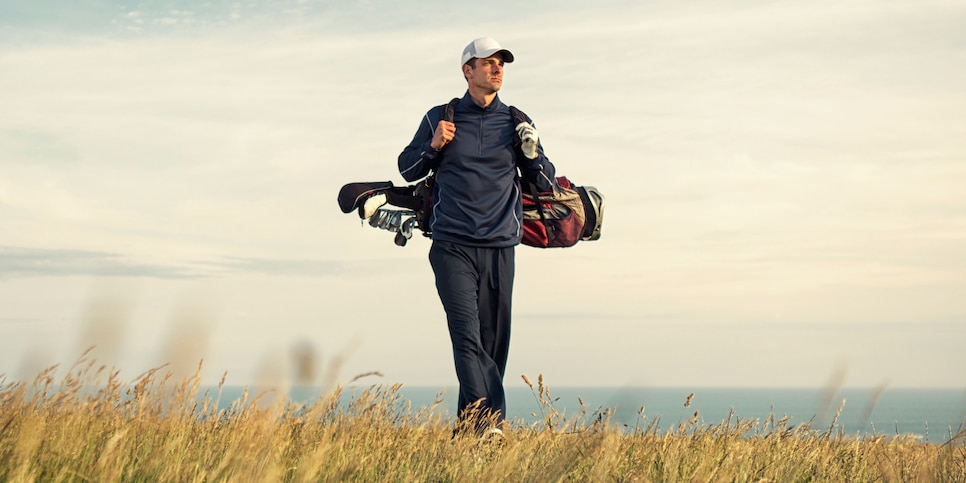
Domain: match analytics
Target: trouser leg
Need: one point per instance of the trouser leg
(496, 297)
(475, 287)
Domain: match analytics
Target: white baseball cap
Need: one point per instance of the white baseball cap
(484, 47)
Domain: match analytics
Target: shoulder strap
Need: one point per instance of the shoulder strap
(447, 113)
(449, 110)
(518, 116)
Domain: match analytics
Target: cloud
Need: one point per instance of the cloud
(33, 262)
(308, 268)
(27, 262)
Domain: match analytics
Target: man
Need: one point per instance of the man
(477, 221)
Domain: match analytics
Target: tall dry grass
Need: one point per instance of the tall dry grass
(91, 426)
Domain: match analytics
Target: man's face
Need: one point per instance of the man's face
(487, 76)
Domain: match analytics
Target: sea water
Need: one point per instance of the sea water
(933, 415)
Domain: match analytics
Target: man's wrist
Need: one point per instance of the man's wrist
(429, 151)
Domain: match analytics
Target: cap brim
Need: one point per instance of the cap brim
(504, 53)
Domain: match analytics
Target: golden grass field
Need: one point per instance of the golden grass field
(90, 426)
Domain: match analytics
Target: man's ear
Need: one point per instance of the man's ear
(468, 67)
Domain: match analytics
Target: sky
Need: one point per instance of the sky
(783, 181)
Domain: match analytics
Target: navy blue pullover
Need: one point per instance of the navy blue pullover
(477, 197)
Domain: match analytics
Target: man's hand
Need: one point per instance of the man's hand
(528, 138)
(444, 133)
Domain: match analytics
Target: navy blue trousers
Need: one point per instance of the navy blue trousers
(475, 286)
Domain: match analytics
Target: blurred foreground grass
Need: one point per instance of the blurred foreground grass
(91, 426)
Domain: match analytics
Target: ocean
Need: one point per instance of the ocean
(934, 415)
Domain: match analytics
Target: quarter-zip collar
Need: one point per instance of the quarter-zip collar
(468, 103)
